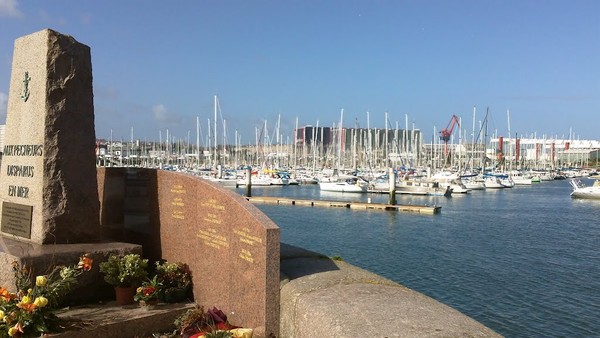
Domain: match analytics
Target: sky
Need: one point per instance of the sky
(157, 65)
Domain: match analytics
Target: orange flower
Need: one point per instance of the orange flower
(29, 307)
(85, 262)
(5, 295)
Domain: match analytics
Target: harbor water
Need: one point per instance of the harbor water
(523, 261)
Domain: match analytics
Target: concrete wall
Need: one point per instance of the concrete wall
(321, 297)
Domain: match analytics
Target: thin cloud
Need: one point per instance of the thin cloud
(8, 8)
(85, 18)
(164, 117)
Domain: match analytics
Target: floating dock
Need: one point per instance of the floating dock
(421, 209)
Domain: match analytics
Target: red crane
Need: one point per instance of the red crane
(447, 132)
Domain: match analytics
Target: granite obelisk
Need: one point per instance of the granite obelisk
(48, 184)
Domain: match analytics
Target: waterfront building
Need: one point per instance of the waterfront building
(544, 153)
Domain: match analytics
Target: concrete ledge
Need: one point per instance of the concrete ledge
(90, 287)
(321, 297)
(112, 321)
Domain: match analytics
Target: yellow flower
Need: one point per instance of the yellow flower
(25, 300)
(41, 281)
(241, 333)
(12, 331)
(139, 290)
(2, 315)
(41, 301)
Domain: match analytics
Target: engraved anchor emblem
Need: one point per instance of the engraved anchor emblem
(25, 94)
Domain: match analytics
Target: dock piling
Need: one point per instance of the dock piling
(392, 184)
(249, 181)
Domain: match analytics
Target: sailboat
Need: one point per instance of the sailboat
(227, 180)
(345, 184)
(338, 182)
(451, 180)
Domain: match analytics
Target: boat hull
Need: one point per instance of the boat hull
(595, 195)
(341, 187)
(585, 192)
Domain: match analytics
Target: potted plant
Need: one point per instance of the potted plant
(175, 280)
(125, 273)
(147, 294)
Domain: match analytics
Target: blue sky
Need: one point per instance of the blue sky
(158, 64)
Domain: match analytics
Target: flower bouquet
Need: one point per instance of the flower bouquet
(147, 295)
(30, 311)
(196, 323)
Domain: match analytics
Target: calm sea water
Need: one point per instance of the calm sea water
(523, 261)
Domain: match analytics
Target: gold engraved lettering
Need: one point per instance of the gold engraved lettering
(211, 238)
(247, 241)
(246, 255)
(247, 238)
(178, 202)
(178, 214)
(212, 203)
(178, 189)
(212, 218)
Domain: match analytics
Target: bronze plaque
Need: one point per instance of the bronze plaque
(16, 219)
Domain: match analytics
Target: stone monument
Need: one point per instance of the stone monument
(49, 207)
(231, 247)
(48, 187)
(55, 203)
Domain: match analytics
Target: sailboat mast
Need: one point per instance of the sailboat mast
(215, 135)
(225, 140)
(278, 141)
(386, 149)
(405, 138)
(509, 141)
(460, 144)
(209, 142)
(314, 147)
(295, 148)
(340, 138)
(198, 140)
(368, 145)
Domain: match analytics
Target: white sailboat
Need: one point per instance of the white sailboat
(218, 177)
(338, 182)
(473, 182)
(520, 178)
(492, 182)
(347, 184)
(451, 180)
(580, 190)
